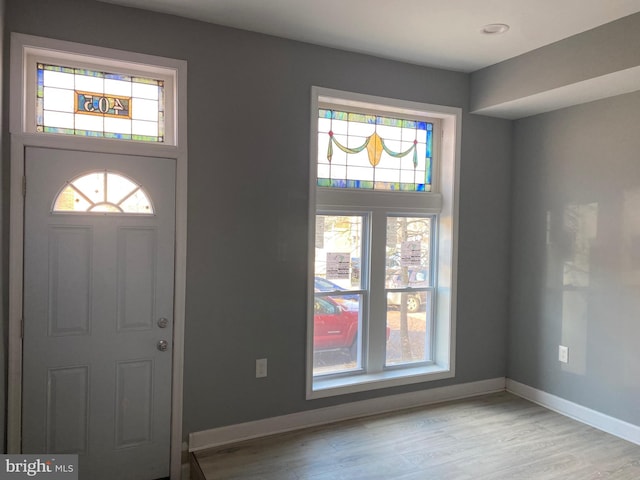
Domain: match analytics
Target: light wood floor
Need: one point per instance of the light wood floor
(492, 437)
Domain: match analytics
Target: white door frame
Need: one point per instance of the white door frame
(20, 139)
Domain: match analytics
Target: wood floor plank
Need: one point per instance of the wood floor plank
(493, 437)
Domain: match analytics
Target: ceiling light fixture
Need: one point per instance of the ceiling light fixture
(495, 28)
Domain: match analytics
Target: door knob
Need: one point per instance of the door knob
(163, 345)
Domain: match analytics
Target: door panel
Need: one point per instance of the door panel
(67, 412)
(134, 403)
(95, 286)
(136, 278)
(70, 293)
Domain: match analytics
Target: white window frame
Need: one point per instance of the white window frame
(25, 50)
(37, 54)
(442, 201)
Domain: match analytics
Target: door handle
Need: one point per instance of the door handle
(163, 345)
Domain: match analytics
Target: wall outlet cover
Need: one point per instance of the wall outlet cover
(563, 354)
(261, 367)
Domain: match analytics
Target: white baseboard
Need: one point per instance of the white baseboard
(614, 426)
(295, 421)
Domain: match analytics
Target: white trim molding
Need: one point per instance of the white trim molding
(321, 416)
(374, 206)
(593, 418)
(22, 137)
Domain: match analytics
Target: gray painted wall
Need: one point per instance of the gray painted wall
(248, 111)
(576, 255)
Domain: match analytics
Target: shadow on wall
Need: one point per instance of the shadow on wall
(592, 287)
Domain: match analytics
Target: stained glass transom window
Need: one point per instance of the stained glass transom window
(89, 103)
(373, 152)
(102, 192)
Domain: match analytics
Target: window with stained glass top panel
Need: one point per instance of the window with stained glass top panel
(91, 103)
(373, 152)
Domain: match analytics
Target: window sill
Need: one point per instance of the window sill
(328, 387)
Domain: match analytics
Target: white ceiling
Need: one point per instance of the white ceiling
(439, 33)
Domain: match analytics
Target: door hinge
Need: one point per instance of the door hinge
(24, 186)
(22, 328)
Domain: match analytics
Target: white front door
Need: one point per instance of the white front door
(98, 307)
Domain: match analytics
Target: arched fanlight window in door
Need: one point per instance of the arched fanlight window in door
(103, 192)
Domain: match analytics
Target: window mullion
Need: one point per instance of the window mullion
(378, 301)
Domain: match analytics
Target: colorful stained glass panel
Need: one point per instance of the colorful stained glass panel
(74, 101)
(105, 105)
(373, 152)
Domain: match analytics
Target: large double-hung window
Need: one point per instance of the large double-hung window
(383, 189)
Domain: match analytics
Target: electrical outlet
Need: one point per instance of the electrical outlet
(563, 354)
(261, 367)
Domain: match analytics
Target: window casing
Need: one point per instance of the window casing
(388, 247)
(106, 98)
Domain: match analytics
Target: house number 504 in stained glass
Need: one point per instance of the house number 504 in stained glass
(105, 105)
